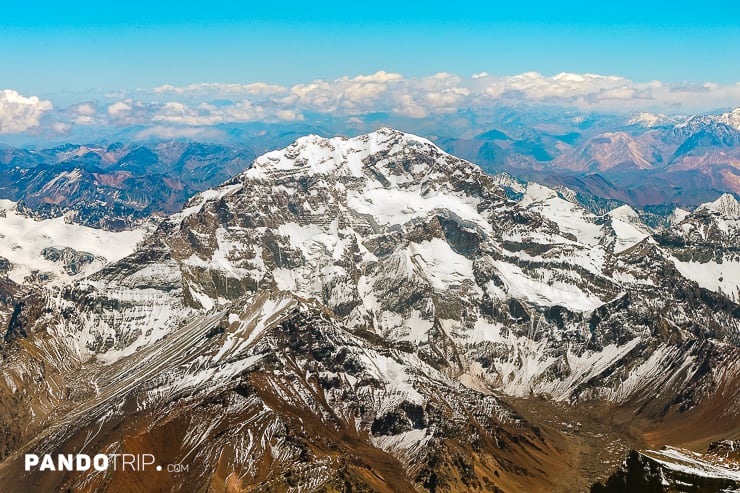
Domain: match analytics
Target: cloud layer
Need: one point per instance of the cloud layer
(353, 98)
(447, 93)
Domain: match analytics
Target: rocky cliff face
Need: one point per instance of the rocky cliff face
(348, 311)
(273, 394)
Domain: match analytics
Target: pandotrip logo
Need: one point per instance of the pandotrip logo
(99, 462)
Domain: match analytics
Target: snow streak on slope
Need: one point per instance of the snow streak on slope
(621, 227)
(692, 463)
(269, 378)
(720, 277)
(545, 292)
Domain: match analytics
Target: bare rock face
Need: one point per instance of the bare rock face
(375, 314)
(71, 260)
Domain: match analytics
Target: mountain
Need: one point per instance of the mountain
(374, 313)
(643, 161)
(617, 230)
(673, 469)
(279, 392)
(705, 245)
(612, 151)
(55, 250)
(115, 186)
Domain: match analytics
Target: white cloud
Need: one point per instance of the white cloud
(208, 114)
(380, 76)
(85, 113)
(19, 113)
(214, 88)
(289, 115)
(416, 97)
(536, 87)
(596, 92)
(61, 128)
(447, 100)
(120, 108)
(436, 82)
(380, 92)
(407, 106)
(86, 109)
(130, 112)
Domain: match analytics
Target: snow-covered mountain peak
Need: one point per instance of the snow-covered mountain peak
(727, 205)
(341, 156)
(731, 118)
(650, 120)
(703, 246)
(628, 227)
(678, 215)
(723, 122)
(537, 193)
(505, 180)
(624, 212)
(391, 176)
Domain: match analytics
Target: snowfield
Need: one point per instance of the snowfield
(22, 241)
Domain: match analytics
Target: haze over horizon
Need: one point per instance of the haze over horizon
(360, 102)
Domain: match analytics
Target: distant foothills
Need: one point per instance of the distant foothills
(649, 161)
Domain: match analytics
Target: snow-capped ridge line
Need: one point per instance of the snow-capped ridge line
(726, 204)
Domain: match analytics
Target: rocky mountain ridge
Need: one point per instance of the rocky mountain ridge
(673, 469)
(114, 186)
(644, 161)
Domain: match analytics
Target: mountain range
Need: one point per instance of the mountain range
(375, 314)
(115, 186)
(644, 161)
(648, 161)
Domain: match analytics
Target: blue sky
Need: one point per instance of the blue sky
(48, 47)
